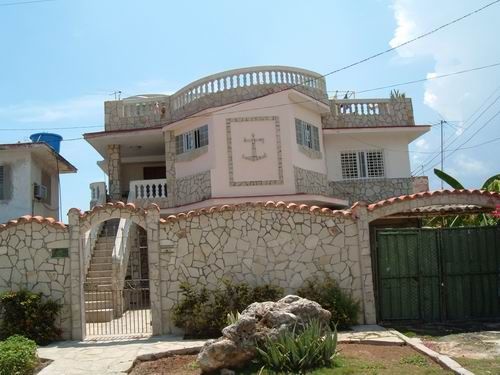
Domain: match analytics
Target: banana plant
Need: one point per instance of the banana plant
(491, 184)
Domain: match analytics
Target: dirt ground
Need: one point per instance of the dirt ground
(469, 340)
(353, 359)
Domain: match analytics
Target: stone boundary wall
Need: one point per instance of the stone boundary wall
(26, 262)
(194, 188)
(310, 182)
(257, 245)
(371, 190)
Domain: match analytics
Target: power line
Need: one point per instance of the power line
(465, 130)
(430, 78)
(24, 2)
(421, 36)
(56, 128)
(465, 142)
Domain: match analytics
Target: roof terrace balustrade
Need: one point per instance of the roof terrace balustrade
(213, 91)
(361, 113)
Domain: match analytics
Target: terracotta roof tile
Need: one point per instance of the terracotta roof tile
(401, 198)
(26, 219)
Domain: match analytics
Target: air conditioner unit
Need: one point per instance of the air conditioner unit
(40, 191)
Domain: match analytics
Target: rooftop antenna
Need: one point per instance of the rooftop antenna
(117, 94)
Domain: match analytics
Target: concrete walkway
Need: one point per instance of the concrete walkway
(370, 334)
(106, 357)
(116, 357)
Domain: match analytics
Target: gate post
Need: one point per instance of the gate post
(365, 263)
(153, 234)
(76, 262)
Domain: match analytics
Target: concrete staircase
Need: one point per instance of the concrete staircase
(99, 299)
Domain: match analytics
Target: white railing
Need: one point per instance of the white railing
(97, 193)
(121, 251)
(148, 189)
(247, 77)
(89, 241)
(258, 79)
(361, 107)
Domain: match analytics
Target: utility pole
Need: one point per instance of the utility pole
(442, 151)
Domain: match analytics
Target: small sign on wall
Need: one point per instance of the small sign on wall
(60, 252)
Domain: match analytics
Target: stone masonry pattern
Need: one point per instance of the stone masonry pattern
(257, 245)
(194, 188)
(370, 190)
(310, 182)
(26, 262)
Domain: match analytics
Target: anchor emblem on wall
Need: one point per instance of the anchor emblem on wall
(254, 156)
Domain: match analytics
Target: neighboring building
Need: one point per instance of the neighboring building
(262, 133)
(29, 180)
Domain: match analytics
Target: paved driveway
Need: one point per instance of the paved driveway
(106, 357)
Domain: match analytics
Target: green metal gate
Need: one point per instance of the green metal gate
(438, 274)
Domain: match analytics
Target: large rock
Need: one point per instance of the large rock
(258, 321)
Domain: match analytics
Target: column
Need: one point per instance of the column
(155, 293)
(365, 263)
(170, 167)
(77, 277)
(114, 172)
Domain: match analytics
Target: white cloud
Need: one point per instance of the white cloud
(467, 165)
(463, 45)
(422, 144)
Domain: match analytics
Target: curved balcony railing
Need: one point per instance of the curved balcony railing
(215, 90)
(249, 77)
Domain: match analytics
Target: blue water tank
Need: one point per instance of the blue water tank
(53, 140)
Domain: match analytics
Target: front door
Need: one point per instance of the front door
(154, 173)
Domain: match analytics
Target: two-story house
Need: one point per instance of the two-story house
(29, 180)
(245, 135)
(255, 134)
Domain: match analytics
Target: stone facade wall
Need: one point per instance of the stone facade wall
(27, 261)
(257, 245)
(194, 188)
(310, 182)
(232, 86)
(371, 190)
(114, 172)
(361, 113)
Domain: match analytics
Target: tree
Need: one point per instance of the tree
(491, 184)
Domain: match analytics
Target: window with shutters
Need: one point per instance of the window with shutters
(362, 164)
(307, 134)
(191, 140)
(47, 182)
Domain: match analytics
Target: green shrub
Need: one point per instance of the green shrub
(26, 313)
(328, 294)
(299, 350)
(17, 356)
(203, 313)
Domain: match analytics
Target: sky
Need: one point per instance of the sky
(61, 59)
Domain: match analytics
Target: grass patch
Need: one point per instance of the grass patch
(480, 366)
(416, 360)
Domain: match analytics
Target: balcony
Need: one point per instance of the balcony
(144, 192)
(367, 113)
(216, 90)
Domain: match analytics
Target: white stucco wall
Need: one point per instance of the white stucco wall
(300, 159)
(395, 146)
(203, 162)
(19, 202)
(280, 106)
(43, 208)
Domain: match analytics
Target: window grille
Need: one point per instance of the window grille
(191, 140)
(307, 135)
(362, 164)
